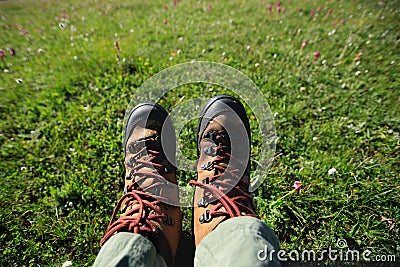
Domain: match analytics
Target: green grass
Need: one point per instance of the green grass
(61, 128)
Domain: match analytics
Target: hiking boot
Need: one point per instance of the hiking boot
(223, 146)
(150, 202)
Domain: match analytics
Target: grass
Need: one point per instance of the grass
(64, 93)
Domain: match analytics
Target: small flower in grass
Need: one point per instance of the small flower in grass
(358, 73)
(332, 171)
(40, 51)
(312, 13)
(67, 264)
(209, 7)
(278, 9)
(257, 65)
(316, 55)
(75, 58)
(380, 3)
(165, 22)
(62, 26)
(248, 47)
(342, 21)
(329, 11)
(19, 80)
(2, 54)
(179, 51)
(12, 52)
(269, 9)
(303, 43)
(297, 186)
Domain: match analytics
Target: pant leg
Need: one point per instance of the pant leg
(128, 249)
(241, 241)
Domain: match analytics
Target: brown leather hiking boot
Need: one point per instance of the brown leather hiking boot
(149, 205)
(223, 167)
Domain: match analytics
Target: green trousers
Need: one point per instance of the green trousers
(241, 241)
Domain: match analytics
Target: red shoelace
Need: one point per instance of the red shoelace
(140, 219)
(237, 202)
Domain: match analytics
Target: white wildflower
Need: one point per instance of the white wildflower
(332, 171)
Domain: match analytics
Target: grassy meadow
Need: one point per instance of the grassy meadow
(330, 71)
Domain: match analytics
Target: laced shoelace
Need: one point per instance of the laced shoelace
(236, 202)
(140, 219)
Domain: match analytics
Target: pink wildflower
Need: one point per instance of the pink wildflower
(165, 22)
(297, 186)
(303, 43)
(380, 3)
(329, 11)
(316, 55)
(2, 54)
(12, 52)
(278, 9)
(209, 7)
(342, 21)
(269, 9)
(312, 13)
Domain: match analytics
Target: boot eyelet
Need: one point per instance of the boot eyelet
(202, 203)
(126, 190)
(168, 220)
(206, 180)
(205, 217)
(166, 169)
(207, 166)
(210, 151)
(130, 163)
